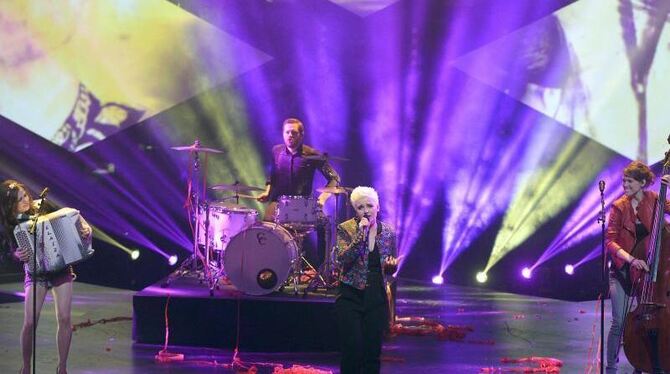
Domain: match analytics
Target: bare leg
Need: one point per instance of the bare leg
(63, 300)
(27, 330)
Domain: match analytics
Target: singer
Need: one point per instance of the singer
(15, 204)
(366, 252)
(629, 223)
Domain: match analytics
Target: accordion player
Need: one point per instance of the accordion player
(59, 243)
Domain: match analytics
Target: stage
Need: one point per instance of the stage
(278, 322)
(503, 326)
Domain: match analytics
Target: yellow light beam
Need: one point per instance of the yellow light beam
(551, 190)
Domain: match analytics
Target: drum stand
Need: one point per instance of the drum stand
(212, 273)
(297, 268)
(197, 265)
(326, 273)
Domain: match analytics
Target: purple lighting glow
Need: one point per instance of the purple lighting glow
(593, 254)
(468, 117)
(582, 223)
(475, 204)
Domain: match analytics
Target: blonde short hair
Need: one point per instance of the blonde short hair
(361, 191)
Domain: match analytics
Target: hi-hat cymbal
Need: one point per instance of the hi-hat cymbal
(236, 187)
(334, 189)
(325, 157)
(196, 147)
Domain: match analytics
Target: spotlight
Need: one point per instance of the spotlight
(482, 277)
(172, 260)
(526, 272)
(569, 269)
(135, 254)
(438, 279)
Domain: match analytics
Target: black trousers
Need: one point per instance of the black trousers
(362, 316)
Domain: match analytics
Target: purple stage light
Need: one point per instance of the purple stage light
(173, 260)
(527, 273)
(438, 279)
(477, 203)
(500, 153)
(596, 252)
(582, 223)
(569, 269)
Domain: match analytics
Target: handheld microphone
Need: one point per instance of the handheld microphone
(601, 185)
(366, 228)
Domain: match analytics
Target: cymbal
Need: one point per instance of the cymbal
(334, 189)
(196, 147)
(325, 157)
(237, 187)
(242, 196)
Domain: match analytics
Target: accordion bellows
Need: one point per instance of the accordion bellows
(59, 243)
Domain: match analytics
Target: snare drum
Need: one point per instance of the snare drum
(259, 259)
(225, 221)
(297, 211)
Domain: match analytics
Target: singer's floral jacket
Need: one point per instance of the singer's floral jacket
(352, 253)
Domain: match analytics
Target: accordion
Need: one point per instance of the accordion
(59, 243)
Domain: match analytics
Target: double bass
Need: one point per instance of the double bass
(647, 326)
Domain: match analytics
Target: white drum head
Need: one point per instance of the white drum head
(258, 260)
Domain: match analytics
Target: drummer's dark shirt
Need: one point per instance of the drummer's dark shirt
(292, 174)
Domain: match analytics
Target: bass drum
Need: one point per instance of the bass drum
(259, 259)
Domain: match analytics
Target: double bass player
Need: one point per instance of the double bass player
(629, 225)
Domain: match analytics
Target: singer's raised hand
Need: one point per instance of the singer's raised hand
(364, 223)
(391, 264)
(363, 230)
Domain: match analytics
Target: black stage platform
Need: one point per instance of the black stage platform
(279, 322)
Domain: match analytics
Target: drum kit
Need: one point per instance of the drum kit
(257, 257)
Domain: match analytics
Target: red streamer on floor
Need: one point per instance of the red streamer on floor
(420, 326)
(593, 354)
(297, 369)
(239, 366)
(543, 365)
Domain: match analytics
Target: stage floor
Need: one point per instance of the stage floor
(504, 325)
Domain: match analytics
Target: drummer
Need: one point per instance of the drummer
(292, 174)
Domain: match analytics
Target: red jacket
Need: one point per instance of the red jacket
(621, 224)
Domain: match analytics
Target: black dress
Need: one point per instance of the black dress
(362, 316)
